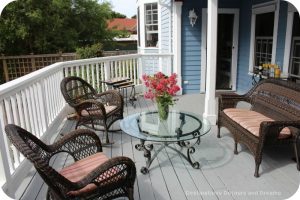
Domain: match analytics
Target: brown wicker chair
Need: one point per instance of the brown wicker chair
(91, 176)
(96, 111)
(274, 118)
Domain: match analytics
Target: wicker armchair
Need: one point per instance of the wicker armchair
(91, 176)
(96, 111)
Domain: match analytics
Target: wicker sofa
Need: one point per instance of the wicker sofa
(274, 117)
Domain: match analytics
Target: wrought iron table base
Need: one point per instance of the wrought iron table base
(149, 147)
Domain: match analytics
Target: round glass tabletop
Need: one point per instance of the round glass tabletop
(179, 126)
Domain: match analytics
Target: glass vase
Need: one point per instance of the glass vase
(163, 111)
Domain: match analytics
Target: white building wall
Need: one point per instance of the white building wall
(154, 63)
(166, 26)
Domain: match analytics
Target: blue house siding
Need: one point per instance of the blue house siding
(229, 3)
(191, 43)
(166, 27)
(191, 47)
(243, 79)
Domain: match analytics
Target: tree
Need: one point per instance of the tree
(34, 26)
(117, 15)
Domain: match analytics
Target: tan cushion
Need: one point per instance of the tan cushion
(78, 170)
(108, 109)
(251, 120)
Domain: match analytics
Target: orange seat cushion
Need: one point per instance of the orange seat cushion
(108, 109)
(78, 170)
(251, 120)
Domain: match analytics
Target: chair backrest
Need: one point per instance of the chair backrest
(37, 152)
(277, 99)
(76, 90)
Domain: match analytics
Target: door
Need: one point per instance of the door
(224, 51)
(227, 48)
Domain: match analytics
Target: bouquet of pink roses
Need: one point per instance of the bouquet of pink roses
(161, 88)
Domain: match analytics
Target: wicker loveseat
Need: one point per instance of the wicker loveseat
(274, 117)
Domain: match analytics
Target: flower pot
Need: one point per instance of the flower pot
(163, 111)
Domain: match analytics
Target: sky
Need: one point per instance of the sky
(126, 7)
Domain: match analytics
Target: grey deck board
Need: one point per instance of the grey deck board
(222, 175)
(172, 182)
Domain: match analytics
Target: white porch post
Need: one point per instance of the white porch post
(210, 96)
(142, 27)
(177, 42)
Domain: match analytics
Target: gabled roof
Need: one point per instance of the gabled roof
(122, 24)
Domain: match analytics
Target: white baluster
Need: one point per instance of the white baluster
(9, 116)
(107, 72)
(93, 76)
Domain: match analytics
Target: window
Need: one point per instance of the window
(294, 68)
(264, 27)
(151, 25)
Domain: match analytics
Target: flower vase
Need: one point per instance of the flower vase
(163, 111)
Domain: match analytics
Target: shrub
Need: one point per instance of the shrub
(92, 51)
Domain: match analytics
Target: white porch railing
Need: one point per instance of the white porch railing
(35, 103)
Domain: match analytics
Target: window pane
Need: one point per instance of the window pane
(263, 46)
(295, 58)
(264, 26)
(148, 7)
(295, 48)
(296, 27)
(151, 39)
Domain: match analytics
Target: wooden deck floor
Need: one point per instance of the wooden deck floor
(223, 175)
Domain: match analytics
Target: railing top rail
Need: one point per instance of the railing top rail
(100, 59)
(36, 56)
(24, 81)
(30, 78)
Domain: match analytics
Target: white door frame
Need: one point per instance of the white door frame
(288, 39)
(235, 40)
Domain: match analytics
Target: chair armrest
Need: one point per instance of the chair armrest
(116, 170)
(92, 108)
(110, 97)
(230, 100)
(272, 129)
(80, 144)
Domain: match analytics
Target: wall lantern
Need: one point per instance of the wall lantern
(193, 17)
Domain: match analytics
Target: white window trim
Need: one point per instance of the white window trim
(288, 39)
(272, 6)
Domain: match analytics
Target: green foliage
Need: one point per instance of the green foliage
(92, 51)
(117, 15)
(121, 33)
(49, 26)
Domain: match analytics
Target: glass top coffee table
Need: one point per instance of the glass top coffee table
(180, 127)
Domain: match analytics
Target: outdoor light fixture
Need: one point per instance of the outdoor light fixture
(193, 17)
